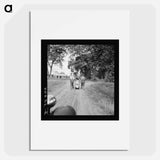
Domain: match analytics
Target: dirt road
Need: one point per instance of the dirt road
(82, 100)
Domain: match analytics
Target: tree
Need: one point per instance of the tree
(93, 60)
(56, 55)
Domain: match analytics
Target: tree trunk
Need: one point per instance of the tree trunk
(50, 67)
(50, 70)
(47, 71)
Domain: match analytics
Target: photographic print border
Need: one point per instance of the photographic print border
(44, 43)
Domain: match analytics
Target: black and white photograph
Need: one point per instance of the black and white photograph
(80, 79)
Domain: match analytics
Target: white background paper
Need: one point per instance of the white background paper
(79, 24)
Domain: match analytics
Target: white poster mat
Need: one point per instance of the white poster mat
(79, 135)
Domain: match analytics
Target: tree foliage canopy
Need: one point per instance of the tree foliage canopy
(94, 61)
(55, 55)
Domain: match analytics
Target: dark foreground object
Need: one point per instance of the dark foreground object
(51, 102)
(66, 110)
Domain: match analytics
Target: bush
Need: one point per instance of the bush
(109, 77)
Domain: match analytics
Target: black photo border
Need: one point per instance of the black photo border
(44, 44)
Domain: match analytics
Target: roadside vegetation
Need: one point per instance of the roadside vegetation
(102, 94)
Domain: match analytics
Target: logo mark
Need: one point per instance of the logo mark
(8, 8)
